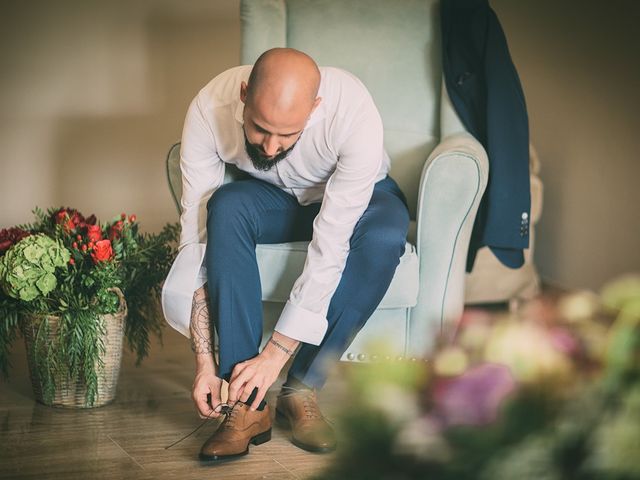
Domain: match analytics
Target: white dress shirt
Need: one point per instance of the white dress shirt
(337, 160)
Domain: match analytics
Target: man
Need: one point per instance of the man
(311, 140)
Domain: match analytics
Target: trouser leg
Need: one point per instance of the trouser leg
(240, 215)
(377, 243)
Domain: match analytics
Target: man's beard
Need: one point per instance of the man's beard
(260, 162)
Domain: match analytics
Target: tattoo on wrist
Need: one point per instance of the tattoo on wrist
(282, 347)
(201, 331)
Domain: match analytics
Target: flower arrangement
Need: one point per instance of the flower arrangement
(551, 392)
(70, 266)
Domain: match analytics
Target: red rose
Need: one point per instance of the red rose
(102, 251)
(94, 233)
(63, 218)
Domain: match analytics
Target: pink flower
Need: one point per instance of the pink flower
(475, 397)
(564, 341)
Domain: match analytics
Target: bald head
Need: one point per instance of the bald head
(283, 79)
(279, 99)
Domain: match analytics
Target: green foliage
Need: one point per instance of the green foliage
(68, 267)
(8, 330)
(146, 269)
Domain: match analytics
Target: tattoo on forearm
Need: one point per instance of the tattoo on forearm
(201, 337)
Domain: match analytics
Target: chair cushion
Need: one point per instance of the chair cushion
(280, 265)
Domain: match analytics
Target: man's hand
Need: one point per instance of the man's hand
(207, 383)
(260, 372)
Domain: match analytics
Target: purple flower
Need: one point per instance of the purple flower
(475, 397)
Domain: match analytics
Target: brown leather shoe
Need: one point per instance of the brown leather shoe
(298, 409)
(240, 427)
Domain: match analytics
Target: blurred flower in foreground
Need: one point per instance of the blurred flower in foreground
(473, 398)
(551, 392)
(579, 306)
(527, 349)
(623, 295)
(452, 360)
(617, 440)
(422, 438)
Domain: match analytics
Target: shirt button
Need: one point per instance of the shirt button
(525, 215)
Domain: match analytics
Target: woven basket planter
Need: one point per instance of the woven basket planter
(71, 393)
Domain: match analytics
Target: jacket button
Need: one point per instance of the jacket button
(350, 356)
(462, 78)
(361, 357)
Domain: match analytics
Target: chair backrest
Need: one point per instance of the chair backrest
(393, 46)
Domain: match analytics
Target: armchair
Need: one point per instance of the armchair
(394, 48)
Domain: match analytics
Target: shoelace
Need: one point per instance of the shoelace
(225, 409)
(230, 415)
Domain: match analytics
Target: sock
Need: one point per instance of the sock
(252, 397)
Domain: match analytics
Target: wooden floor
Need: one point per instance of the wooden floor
(127, 439)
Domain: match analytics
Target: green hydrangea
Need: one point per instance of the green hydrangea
(27, 270)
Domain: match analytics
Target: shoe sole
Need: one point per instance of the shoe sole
(259, 439)
(283, 421)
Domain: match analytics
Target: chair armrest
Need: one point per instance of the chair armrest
(453, 181)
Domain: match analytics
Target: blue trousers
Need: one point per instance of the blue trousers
(246, 212)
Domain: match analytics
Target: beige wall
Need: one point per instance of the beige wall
(578, 62)
(93, 93)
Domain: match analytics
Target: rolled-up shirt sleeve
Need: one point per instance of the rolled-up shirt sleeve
(347, 195)
(202, 173)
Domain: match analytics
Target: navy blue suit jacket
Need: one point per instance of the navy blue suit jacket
(485, 91)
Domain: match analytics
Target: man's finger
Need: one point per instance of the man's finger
(237, 370)
(203, 407)
(238, 395)
(236, 385)
(216, 395)
(246, 392)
